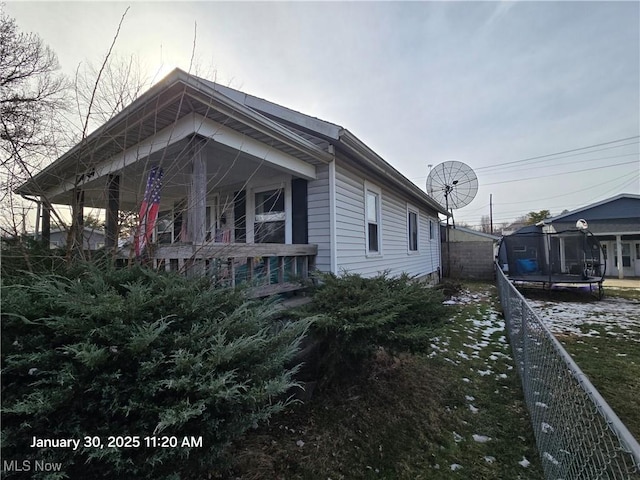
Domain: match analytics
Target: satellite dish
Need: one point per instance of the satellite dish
(453, 184)
(582, 224)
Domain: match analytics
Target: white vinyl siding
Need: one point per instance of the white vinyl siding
(351, 231)
(318, 217)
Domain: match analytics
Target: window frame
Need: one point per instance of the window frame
(250, 206)
(370, 188)
(283, 213)
(415, 211)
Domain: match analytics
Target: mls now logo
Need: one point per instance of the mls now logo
(28, 465)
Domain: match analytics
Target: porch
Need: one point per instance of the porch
(267, 268)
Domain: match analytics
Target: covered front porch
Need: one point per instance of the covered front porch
(222, 212)
(232, 201)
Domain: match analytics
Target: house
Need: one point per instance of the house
(249, 188)
(615, 222)
(468, 253)
(93, 238)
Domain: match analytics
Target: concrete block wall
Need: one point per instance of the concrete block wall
(468, 260)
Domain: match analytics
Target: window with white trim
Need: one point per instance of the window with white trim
(269, 225)
(431, 231)
(373, 219)
(412, 229)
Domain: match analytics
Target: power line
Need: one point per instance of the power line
(561, 173)
(529, 159)
(624, 177)
(510, 215)
(565, 151)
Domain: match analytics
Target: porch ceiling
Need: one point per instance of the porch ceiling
(226, 169)
(169, 101)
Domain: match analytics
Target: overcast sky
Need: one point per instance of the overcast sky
(484, 83)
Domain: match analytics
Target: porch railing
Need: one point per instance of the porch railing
(266, 266)
(578, 435)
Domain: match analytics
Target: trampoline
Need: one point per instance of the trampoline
(570, 258)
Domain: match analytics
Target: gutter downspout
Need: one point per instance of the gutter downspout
(333, 234)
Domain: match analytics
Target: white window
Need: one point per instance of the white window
(164, 227)
(269, 225)
(373, 219)
(412, 229)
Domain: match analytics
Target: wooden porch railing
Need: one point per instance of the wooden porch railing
(269, 267)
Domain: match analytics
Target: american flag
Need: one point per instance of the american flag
(148, 210)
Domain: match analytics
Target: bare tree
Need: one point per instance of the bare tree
(32, 96)
(120, 81)
(31, 93)
(485, 224)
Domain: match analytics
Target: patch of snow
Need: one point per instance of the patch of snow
(542, 405)
(489, 459)
(480, 438)
(582, 319)
(300, 443)
(466, 380)
(551, 458)
(524, 463)
(473, 409)
(484, 373)
(469, 398)
(546, 428)
(455, 466)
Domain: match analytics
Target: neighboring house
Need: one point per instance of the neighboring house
(513, 227)
(92, 239)
(467, 253)
(615, 222)
(249, 187)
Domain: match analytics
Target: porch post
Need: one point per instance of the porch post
(197, 202)
(113, 206)
(619, 255)
(75, 241)
(46, 224)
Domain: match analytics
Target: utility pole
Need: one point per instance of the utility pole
(491, 211)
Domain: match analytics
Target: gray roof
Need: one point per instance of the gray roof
(179, 93)
(622, 206)
(474, 232)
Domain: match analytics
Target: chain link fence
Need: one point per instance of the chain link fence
(578, 435)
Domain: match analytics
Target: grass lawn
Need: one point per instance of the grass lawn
(603, 337)
(454, 411)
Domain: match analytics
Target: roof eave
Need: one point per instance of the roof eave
(368, 157)
(231, 108)
(593, 205)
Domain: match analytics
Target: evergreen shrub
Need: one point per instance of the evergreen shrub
(357, 315)
(137, 353)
